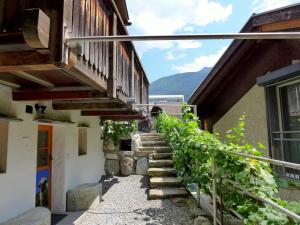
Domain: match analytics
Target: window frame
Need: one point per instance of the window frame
(274, 112)
(4, 147)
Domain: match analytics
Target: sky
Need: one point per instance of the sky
(154, 17)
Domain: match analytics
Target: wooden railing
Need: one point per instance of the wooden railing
(110, 67)
(91, 19)
(123, 62)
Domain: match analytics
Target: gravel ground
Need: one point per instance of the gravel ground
(125, 202)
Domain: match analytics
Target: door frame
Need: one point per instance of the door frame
(49, 129)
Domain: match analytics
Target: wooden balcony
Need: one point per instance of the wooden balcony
(36, 63)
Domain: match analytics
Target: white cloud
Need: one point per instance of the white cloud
(171, 56)
(171, 16)
(264, 5)
(189, 44)
(201, 62)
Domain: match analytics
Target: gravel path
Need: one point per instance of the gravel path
(125, 203)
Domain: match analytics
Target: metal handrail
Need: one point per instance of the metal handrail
(243, 190)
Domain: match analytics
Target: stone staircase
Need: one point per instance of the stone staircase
(163, 177)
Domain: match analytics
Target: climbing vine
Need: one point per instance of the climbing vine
(117, 129)
(193, 153)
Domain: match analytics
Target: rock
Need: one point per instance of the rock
(84, 197)
(135, 142)
(196, 212)
(36, 216)
(201, 220)
(142, 166)
(109, 145)
(112, 167)
(230, 220)
(123, 154)
(126, 164)
(109, 155)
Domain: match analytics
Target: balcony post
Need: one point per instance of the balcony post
(131, 76)
(141, 87)
(112, 79)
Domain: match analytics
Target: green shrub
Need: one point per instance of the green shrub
(193, 152)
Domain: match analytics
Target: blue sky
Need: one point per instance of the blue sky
(189, 17)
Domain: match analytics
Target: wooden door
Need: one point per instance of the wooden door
(44, 164)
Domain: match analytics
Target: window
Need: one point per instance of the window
(3, 146)
(82, 141)
(284, 123)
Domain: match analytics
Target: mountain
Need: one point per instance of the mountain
(179, 84)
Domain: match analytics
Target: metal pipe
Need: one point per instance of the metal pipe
(166, 105)
(216, 36)
(264, 200)
(272, 161)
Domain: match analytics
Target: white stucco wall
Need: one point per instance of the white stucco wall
(17, 185)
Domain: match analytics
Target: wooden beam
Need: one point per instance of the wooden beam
(108, 113)
(280, 25)
(55, 95)
(112, 79)
(85, 105)
(34, 79)
(9, 84)
(36, 28)
(123, 118)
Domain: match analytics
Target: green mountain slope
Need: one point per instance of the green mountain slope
(179, 84)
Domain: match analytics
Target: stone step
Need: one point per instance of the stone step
(162, 172)
(164, 193)
(153, 143)
(162, 149)
(139, 153)
(165, 182)
(150, 135)
(160, 163)
(154, 138)
(167, 155)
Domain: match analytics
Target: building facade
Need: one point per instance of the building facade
(259, 78)
(53, 95)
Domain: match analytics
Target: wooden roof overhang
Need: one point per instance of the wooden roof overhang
(245, 60)
(40, 69)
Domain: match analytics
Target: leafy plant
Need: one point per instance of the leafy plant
(193, 152)
(117, 129)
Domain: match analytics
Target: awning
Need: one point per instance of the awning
(277, 76)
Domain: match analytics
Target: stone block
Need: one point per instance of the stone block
(142, 166)
(109, 145)
(201, 220)
(84, 197)
(126, 164)
(36, 216)
(112, 167)
(114, 156)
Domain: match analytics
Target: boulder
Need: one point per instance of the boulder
(84, 197)
(126, 164)
(142, 166)
(201, 220)
(36, 216)
(109, 145)
(112, 167)
(109, 155)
